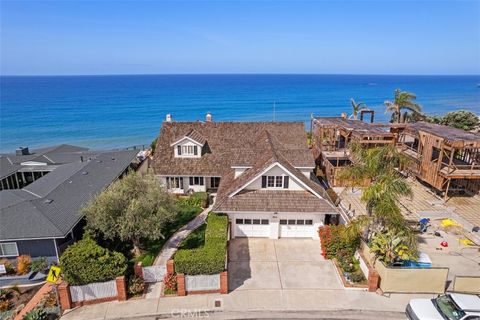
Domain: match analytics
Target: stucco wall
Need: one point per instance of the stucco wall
(406, 280)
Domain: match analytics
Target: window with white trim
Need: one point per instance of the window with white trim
(275, 182)
(196, 181)
(174, 182)
(187, 150)
(8, 249)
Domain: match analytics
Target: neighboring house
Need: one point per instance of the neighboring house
(43, 192)
(446, 158)
(262, 173)
(331, 138)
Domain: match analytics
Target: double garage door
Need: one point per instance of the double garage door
(289, 228)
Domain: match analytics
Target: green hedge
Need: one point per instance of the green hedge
(210, 259)
(86, 262)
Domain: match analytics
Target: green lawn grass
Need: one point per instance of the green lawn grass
(196, 239)
(151, 248)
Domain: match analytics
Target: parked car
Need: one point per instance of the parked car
(450, 306)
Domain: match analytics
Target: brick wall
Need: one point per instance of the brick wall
(66, 299)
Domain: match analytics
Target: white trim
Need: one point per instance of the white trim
(36, 195)
(272, 212)
(304, 168)
(188, 138)
(241, 167)
(283, 168)
(9, 255)
(33, 163)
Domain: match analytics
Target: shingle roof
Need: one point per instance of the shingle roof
(275, 201)
(59, 154)
(229, 144)
(196, 136)
(265, 201)
(24, 215)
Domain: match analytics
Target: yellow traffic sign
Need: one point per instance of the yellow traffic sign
(53, 274)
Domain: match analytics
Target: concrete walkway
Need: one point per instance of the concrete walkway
(171, 246)
(154, 290)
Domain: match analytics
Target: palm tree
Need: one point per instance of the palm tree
(387, 187)
(356, 107)
(403, 100)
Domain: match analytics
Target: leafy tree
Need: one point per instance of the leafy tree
(153, 145)
(133, 208)
(387, 186)
(357, 107)
(389, 247)
(462, 119)
(86, 262)
(403, 101)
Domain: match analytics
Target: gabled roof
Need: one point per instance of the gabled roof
(229, 144)
(232, 194)
(50, 206)
(193, 136)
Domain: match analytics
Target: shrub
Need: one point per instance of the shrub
(210, 259)
(36, 314)
(170, 282)
(86, 262)
(39, 264)
(136, 286)
(8, 266)
(196, 199)
(357, 276)
(5, 305)
(23, 264)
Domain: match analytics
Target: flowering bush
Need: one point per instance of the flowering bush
(8, 266)
(170, 282)
(136, 286)
(23, 264)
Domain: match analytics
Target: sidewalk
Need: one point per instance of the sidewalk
(247, 300)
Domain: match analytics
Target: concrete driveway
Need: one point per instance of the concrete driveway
(283, 264)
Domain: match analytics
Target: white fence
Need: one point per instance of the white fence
(202, 282)
(154, 273)
(94, 291)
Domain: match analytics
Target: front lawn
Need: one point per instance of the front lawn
(207, 255)
(151, 248)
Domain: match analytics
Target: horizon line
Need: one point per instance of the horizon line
(241, 74)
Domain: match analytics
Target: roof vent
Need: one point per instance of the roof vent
(208, 117)
(114, 159)
(48, 201)
(84, 173)
(168, 118)
(99, 161)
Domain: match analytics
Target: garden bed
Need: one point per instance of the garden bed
(186, 212)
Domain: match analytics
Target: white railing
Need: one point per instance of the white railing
(92, 291)
(202, 282)
(154, 273)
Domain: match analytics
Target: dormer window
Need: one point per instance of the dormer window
(187, 150)
(189, 145)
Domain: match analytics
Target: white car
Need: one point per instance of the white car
(451, 306)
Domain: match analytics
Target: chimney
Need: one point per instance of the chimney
(22, 151)
(168, 118)
(344, 115)
(208, 117)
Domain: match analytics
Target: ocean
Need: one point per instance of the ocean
(109, 112)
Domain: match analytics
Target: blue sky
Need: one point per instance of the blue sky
(140, 37)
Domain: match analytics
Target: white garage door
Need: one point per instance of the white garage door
(252, 227)
(300, 228)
